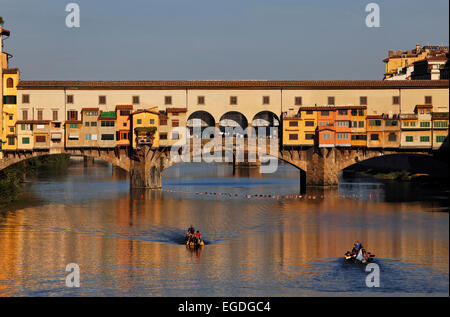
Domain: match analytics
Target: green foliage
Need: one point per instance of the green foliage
(2, 21)
(150, 130)
(13, 176)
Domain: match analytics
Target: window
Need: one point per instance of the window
(293, 136)
(437, 124)
(425, 124)
(168, 100)
(342, 123)
(175, 123)
(374, 123)
(11, 130)
(298, 101)
(10, 100)
(266, 100)
(396, 100)
(361, 112)
(309, 136)
(86, 124)
(233, 100)
(72, 115)
(11, 117)
(93, 124)
(24, 114)
(73, 126)
(90, 137)
(25, 140)
(152, 121)
(428, 100)
(409, 138)
(9, 83)
(40, 138)
(440, 138)
(102, 100)
(175, 136)
(413, 123)
(108, 124)
(293, 123)
(354, 124)
(26, 127)
(39, 115)
(374, 137)
(342, 136)
(124, 112)
(125, 124)
(392, 137)
(163, 122)
(326, 136)
(359, 137)
(390, 123)
(354, 112)
(424, 139)
(163, 136)
(55, 115)
(363, 101)
(25, 98)
(57, 125)
(309, 123)
(139, 121)
(331, 101)
(200, 100)
(11, 141)
(135, 100)
(342, 112)
(107, 137)
(69, 98)
(309, 112)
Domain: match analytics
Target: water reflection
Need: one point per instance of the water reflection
(128, 243)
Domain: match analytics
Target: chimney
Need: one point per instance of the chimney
(417, 48)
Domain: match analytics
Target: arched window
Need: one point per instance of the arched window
(9, 83)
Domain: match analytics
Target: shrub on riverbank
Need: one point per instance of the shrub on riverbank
(13, 176)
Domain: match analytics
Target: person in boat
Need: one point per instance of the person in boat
(356, 247)
(198, 236)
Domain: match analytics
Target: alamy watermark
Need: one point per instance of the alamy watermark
(73, 278)
(233, 144)
(373, 278)
(73, 18)
(373, 18)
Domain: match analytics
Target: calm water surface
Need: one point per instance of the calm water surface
(128, 243)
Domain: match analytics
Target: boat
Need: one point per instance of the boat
(359, 257)
(194, 243)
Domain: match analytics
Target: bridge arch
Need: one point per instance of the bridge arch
(200, 118)
(112, 156)
(266, 120)
(233, 119)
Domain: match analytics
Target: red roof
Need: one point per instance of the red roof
(176, 109)
(235, 84)
(126, 107)
(89, 109)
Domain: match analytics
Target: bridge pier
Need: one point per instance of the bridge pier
(146, 168)
(322, 167)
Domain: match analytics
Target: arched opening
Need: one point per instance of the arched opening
(266, 122)
(233, 119)
(200, 119)
(10, 83)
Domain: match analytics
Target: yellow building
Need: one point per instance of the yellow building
(358, 125)
(416, 128)
(145, 127)
(299, 129)
(440, 128)
(401, 59)
(9, 111)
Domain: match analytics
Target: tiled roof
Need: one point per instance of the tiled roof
(89, 109)
(10, 70)
(5, 32)
(33, 122)
(145, 110)
(176, 109)
(127, 107)
(233, 84)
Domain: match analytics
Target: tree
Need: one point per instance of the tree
(2, 21)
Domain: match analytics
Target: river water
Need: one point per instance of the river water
(259, 242)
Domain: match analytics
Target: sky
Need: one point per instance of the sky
(215, 40)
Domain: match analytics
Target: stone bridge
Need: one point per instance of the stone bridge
(318, 166)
